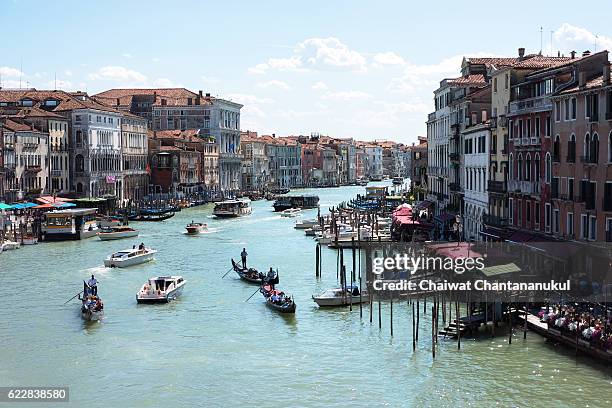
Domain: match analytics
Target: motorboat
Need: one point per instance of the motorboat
(304, 202)
(305, 224)
(69, 224)
(232, 208)
(29, 240)
(10, 245)
(195, 228)
(129, 257)
(161, 289)
(291, 212)
(117, 232)
(341, 296)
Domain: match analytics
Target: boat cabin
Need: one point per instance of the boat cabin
(69, 224)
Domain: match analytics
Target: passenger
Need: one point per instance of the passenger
(141, 247)
(93, 286)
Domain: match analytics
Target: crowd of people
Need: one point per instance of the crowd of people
(590, 322)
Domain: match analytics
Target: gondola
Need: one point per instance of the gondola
(284, 304)
(152, 216)
(248, 274)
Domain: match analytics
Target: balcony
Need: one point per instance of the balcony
(495, 220)
(534, 140)
(56, 173)
(502, 121)
(498, 187)
(566, 197)
(537, 104)
(524, 187)
(516, 141)
(230, 157)
(431, 117)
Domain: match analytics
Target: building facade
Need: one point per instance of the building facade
(135, 156)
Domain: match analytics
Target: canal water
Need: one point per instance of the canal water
(211, 348)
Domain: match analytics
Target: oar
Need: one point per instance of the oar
(252, 295)
(73, 297)
(230, 269)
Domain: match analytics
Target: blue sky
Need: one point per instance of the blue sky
(344, 68)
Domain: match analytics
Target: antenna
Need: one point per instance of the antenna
(540, 40)
(596, 37)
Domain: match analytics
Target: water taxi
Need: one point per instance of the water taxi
(232, 208)
(161, 289)
(70, 224)
(195, 228)
(129, 257)
(305, 224)
(341, 297)
(118, 232)
(291, 212)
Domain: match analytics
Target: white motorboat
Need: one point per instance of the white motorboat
(105, 221)
(195, 228)
(305, 224)
(117, 232)
(129, 257)
(232, 208)
(9, 245)
(161, 289)
(341, 297)
(291, 212)
(29, 240)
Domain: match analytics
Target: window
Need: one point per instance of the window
(557, 149)
(528, 212)
(528, 167)
(594, 153)
(591, 104)
(593, 228)
(557, 111)
(507, 81)
(519, 215)
(556, 221)
(570, 224)
(528, 133)
(566, 104)
(510, 210)
(548, 170)
(536, 132)
(574, 109)
(547, 217)
(584, 226)
(548, 127)
(494, 84)
(571, 149)
(536, 215)
(570, 189)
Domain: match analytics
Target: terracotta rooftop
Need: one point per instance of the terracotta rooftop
(594, 83)
(540, 62)
(172, 96)
(488, 61)
(474, 79)
(16, 126)
(188, 135)
(34, 112)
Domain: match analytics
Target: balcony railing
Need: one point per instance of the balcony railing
(534, 140)
(56, 173)
(495, 220)
(536, 104)
(499, 187)
(516, 141)
(524, 187)
(431, 117)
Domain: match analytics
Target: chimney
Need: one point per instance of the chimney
(581, 79)
(273, 134)
(118, 102)
(558, 53)
(573, 54)
(606, 74)
(207, 94)
(521, 52)
(586, 53)
(200, 93)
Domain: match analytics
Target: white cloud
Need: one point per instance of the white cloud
(58, 84)
(8, 72)
(118, 74)
(569, 37)
(166, 83)
(155, 59)
(279, 64)
(388, 58)
(326, 53)
(274, 84)
(346, 96)
(126, 55)
(247, 99)
(68, 72)
(426, 76)
(320, 86)
(291, 114)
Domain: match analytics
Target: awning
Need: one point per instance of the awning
(4, 206)
(444, 217)
(456, 250)
(497, 270)
(21, 206)
(424, 204)
(52, 199)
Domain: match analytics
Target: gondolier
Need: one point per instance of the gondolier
(243, 256)
(93, 286)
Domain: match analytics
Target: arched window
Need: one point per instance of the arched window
(571, 149)
(511, 164)
(586, 151)
(79, 187)
(536, 167)
(610, 148)
(557, 149)
(79, 137)
(520, 167)
(79, 163)
(594, 153)
(548, 170)
(528, 167)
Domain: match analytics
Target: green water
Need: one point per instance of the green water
(210, 348)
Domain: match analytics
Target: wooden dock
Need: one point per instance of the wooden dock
(577, 343)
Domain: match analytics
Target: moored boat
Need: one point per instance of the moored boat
(341, 296)
(161, 289)
(69, 224)
(118, 232)
(29, 240)
(277, 300)
(129, 257)
(232, 208)
(195, 228)
(250, 275)
(291, 212)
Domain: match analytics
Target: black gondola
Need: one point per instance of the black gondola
(277, 300)
(250, 275)
(304, 202)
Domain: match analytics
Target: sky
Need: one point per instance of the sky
(359, 69)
